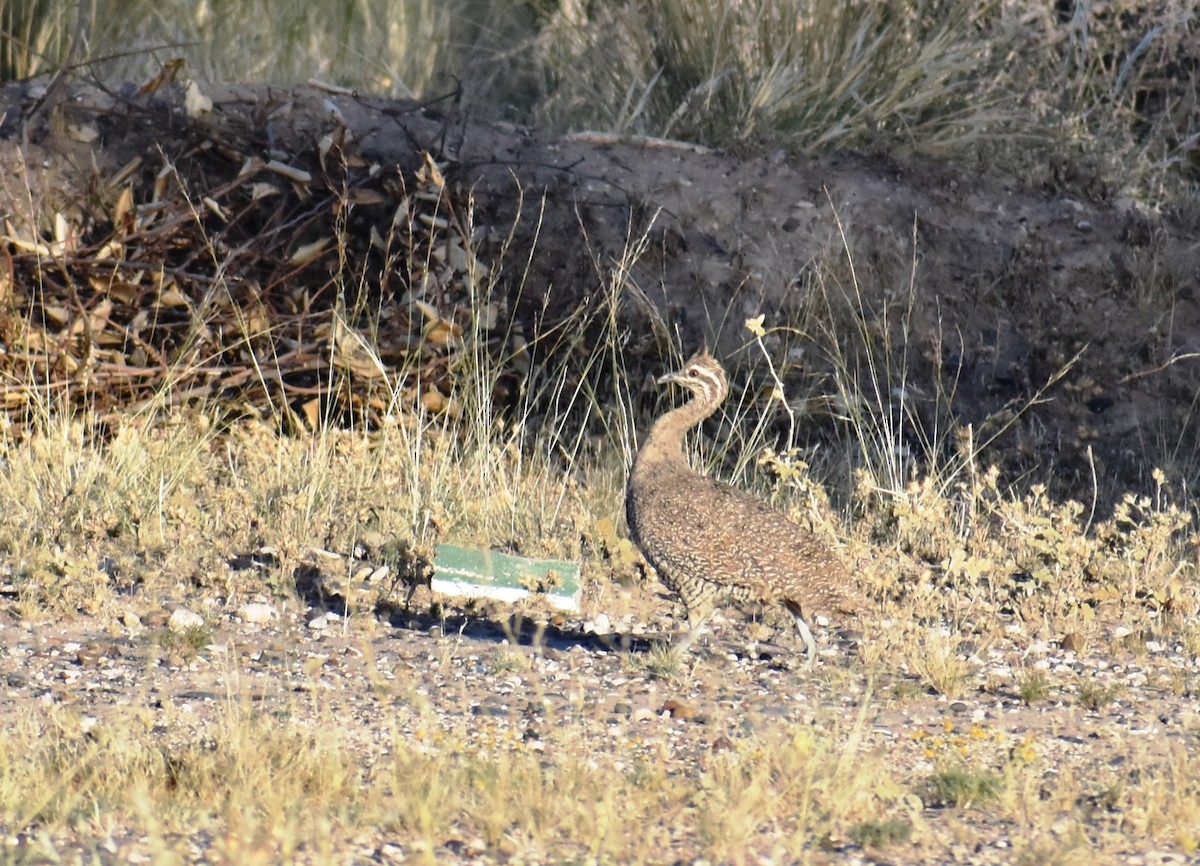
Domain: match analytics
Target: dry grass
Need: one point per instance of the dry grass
(1097, 99)
(410, 49)
(948, 551)
(812, 75)
(268, 789)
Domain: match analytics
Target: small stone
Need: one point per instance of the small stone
(958, 708)
(131, 620)
(88, 656)
(16, 680)
(183, 620)
(258, 613)
(490, 706)
(156, 618)
(679, 710)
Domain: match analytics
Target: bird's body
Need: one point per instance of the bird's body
(711, 542)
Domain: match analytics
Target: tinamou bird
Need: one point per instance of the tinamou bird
(711, 542)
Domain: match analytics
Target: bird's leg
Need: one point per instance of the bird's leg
(810, 645)
(700, 601)
(695, 625)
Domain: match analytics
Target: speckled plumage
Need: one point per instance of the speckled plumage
(710, 541)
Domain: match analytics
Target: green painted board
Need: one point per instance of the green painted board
(475, 573)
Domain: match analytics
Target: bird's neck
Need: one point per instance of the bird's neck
(666, 436)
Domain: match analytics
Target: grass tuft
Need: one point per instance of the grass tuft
(881, 834)
(959, 786)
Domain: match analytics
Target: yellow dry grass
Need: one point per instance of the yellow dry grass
(950, 553)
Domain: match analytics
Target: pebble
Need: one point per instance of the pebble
(324, 621)
(89, 656)
(582, 697)
(258, 613)
(679, 710)
(183, 620)
(722, 744)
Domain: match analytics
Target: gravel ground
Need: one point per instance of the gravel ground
(423, 681)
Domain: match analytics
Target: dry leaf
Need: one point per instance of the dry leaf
(214, 206)
(442, 332)
(172, 297)
(312, 412)
(84, 133)
(262, 190)
(195, 103)
(433, 401)
(165, 76)
(298, 175)
(309, 252)
(366, 196)
(430, 173)
(122, 209)
(58, 315)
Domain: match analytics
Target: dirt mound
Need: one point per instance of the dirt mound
(180, 236)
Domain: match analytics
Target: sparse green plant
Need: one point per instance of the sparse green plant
(961, 786)
(939, 664)
(1033, 687)
(188, 641)
(906, 688)
(1072, 850)
(661, 661)
(1095, 695)
(1190, 639)
(505, 659)
(881, 834)
(1180, 682)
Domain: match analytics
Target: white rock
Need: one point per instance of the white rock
(258, 613)
(183, 619)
